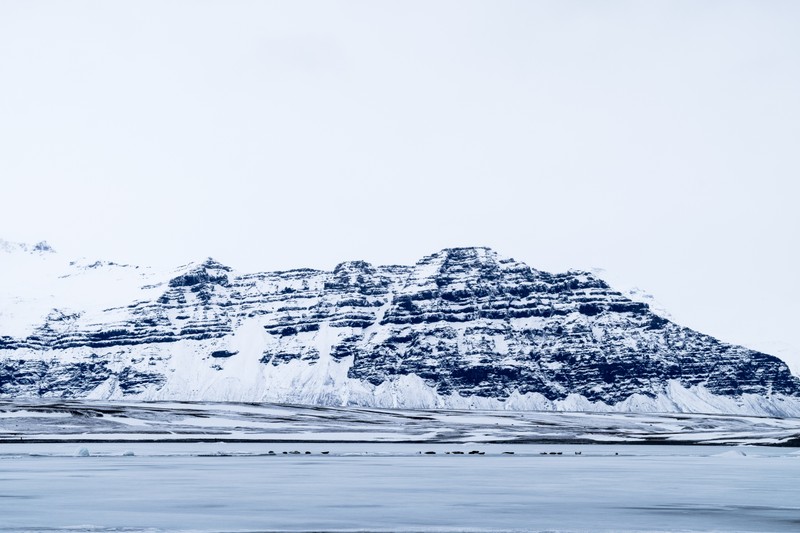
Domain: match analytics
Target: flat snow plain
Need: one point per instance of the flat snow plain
(112, 467)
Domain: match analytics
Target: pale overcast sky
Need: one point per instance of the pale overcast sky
(657, 140)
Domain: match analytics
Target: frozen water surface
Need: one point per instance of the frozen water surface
(238, 487)
(180, 467)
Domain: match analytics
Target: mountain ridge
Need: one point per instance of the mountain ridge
(463, 327)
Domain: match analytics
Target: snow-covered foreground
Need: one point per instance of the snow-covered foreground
(240, 487)
(89, 421)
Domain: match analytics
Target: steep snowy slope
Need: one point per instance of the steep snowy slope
(461, 328)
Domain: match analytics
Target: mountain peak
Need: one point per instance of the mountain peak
(468, 253)
(209, 271)
(212, 264)
(40, 248)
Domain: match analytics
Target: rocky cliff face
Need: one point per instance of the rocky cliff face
(461, 328)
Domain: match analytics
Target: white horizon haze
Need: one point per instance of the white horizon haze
(657, 141)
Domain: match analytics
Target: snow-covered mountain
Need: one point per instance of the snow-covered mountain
(463, 328)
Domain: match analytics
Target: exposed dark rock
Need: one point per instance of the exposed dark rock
(222, 354)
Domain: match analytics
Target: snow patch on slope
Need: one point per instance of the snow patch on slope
(297, 382)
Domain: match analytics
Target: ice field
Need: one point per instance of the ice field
(393, 487)
(95, 421)
(104, 467)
